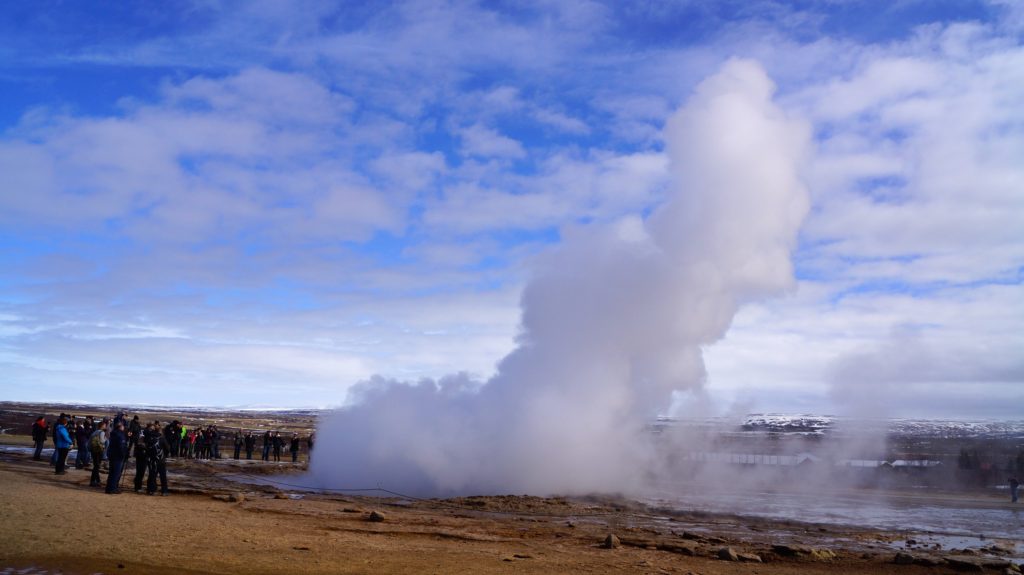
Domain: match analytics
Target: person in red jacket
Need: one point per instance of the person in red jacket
(40, 429)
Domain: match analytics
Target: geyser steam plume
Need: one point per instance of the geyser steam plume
(613, 321)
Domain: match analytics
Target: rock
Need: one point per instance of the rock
(376, 516)
(927, 561)
(999, 550)
(236, 497)
(749, 557)
(280, 495)
(822, 554)
(611, 542)
(788, 550)
(800, 551)
(728, 554)
(963, 564)
(904, 559)
(681, 547)
(522, 556)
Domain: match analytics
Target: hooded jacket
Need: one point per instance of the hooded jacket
(61, 437)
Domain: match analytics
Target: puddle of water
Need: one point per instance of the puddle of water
(966, 519)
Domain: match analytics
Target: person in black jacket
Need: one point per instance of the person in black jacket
(157, 448)
(141, 463)
(134, 430)
(278, 444)
(294, 448)
(267, 440)
(250, 444)
(40, 429)
(238, 444)
(117, 451)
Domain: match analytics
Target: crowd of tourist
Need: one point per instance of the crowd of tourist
(114, 441)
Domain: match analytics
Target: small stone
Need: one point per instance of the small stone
(280, 495)
(236, 497)
(728, 554)
(611, 542)
(376, 516)
(749, 557)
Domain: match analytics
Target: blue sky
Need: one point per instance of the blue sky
(263, 203)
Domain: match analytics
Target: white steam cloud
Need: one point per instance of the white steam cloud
(613, 321)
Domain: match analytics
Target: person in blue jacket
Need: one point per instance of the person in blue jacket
(62, 441)
(117, 451)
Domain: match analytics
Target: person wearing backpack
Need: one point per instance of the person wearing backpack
(157, 448)
(294, 447)
(97, 441)
(40, 429)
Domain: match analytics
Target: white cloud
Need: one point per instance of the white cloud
(485, 142)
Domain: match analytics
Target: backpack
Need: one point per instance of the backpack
(96, 440)
(154, 451)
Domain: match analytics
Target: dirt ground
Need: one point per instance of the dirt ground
(58, 524)
(230, 516)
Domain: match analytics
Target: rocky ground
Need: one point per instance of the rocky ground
(244, 517)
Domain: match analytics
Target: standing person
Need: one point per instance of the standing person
(62, 442)
(295, 447)
(183, 442)
(1014, 485)
(238, 444)
(53, 456)
(97, 441)
(309, 446)
(117, 451)
(157, 448)
(134, 430)
(214, 442)
(40, 429)
(90, 426)
(267, 439)
(250, 444)
(141, 463)
(278, 444)
(81, 445)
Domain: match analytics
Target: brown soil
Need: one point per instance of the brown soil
(60, 524)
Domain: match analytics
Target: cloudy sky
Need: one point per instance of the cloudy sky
(264, 203)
